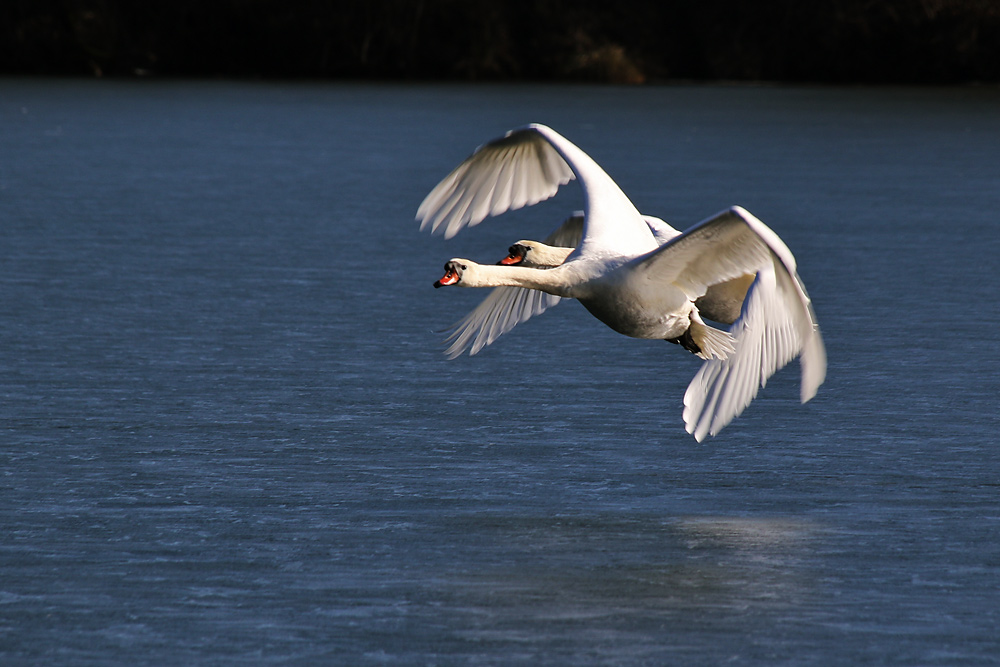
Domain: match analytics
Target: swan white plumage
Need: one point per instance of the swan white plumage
(634, 285)
(506, 307)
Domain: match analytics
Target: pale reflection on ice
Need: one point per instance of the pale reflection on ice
(750, 535)
(615, 580)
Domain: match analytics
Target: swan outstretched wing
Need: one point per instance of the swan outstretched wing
(519, 169)
(506, 307)
(501, 310)
(771, 331)
(524, 167)
(568, 234)
(776, 322)
(726, 246)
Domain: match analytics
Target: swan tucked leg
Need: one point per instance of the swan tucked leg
(704, 341)
(713, 343)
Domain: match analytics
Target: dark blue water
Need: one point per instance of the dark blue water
(228, 434)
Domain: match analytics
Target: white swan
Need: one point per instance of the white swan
(637, 287)
(506, 307)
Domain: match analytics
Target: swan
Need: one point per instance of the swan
(506, 307)
(635, 285)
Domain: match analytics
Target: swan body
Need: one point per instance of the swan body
(631, 280)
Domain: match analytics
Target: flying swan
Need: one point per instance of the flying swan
(506, 307)
(633, 283)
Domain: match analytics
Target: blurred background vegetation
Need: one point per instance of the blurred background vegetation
(620, 41)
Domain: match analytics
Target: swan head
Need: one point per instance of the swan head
(453, 270)
(517, 253)
(535, 255)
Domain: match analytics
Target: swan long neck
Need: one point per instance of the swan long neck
(499, 275)
(545, 255)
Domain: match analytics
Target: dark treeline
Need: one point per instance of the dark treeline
(631, 41)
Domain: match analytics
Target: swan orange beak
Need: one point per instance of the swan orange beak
(450, 278)
(512, 259)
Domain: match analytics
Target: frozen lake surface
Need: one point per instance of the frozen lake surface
(228, 434)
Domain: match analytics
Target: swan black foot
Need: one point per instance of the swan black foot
(686, 341)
